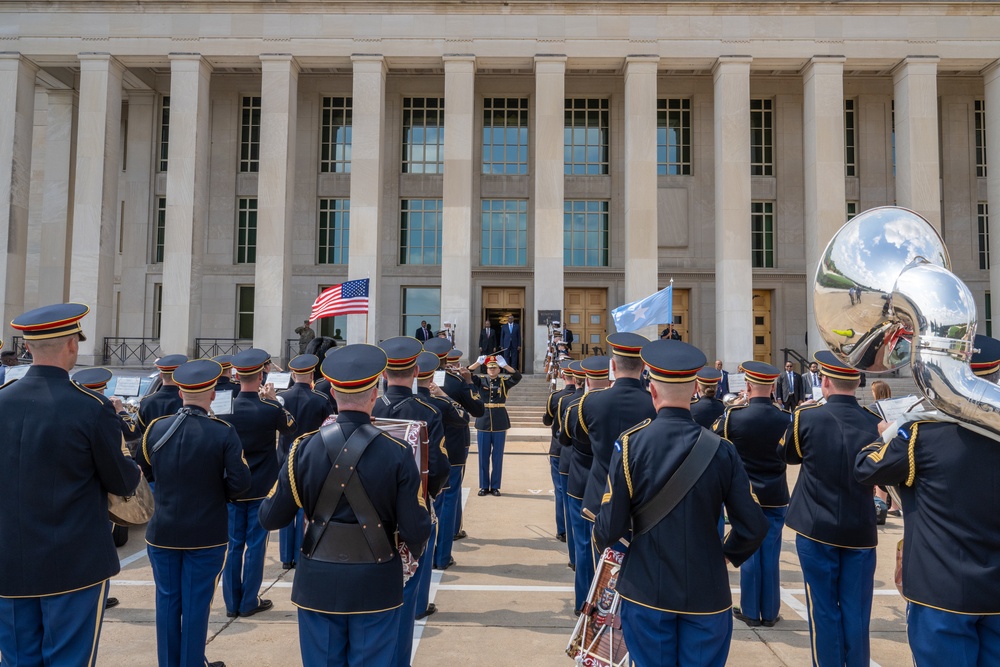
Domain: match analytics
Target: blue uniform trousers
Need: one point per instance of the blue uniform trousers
(839, 588)
(458, 508)
(290, 538)
(424, 572)
(582, 531)
(558, 490)
(570, 541)
(59, 629)
(412, 605)
(348, 640)
(491, 445)
(445, 505)
(760, 586)
(663, 639)
(185, 583)
(939, 637)
(244, 569)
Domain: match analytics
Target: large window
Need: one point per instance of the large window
(334, 231)
(983, 219)
(761, 137)
(423, 135)
(981, 138)
(246, 231)
(335, 135)
(852, 209)
(332, 327)
(505, 135)
(585, 233)
(160, 230)
(505, 232)
(673, 137)
(420, 231)
(420, 303)
(762, 234)
(585, 136)
(164, 132)
(850, 138)
(157, 309)
(250, 134)
(244, 311)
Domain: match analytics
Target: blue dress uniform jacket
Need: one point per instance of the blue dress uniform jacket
(464, 393)
(551, 417)
(308, 408)
(166, 401)
(391, 480)
(256, 420)
(754, 429)
(565, 444)
(196, 471)
(456, 425)
(494, 394)
(605, 415)
(61, 454)
(226, 384)
(829, 505)
(706, 410)
(679, 565)
(401, 403)
(580, 453)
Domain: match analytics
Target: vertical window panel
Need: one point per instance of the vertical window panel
(419, 304)
(335, 135)
(505, 135)
(980, 112)
(850, 138)
(586, 235)
(983, 220)
(333, 237)
(423, 135)
(420, 231)
(762, 234)
(761, 137)
(673, 137)
(164, 133)
(160, 230)
(246, 230)
(585, 136)
(504, 232)
(157, 315)
(250, 135)
(244, 311)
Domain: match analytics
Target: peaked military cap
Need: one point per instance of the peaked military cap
(250, 361)
(167, 364)
(198, 375)
(439, 346)
(759, 372)
(986, 356)
(304, 363)
(427, 364)
(831, 366)
(331, 351)
(455, 354)
(61, 319)
(574, 368)
(401, 351)
(672, 360)
(226, 360)
(356, 369)
(93, 378)
(626, 344)
(596, 367)
(491, 360)
(708, 376)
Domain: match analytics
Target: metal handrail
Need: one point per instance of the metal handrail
(213, 347)
(17, 344)
(119, 351)
(798, 358)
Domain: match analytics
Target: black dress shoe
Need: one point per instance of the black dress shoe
(431, 609)
(770, 624)
(288, 566)
(217, 663)
(483, 492)
(232, 614)
(571, 566)
(561, 537)
(495, 492)
(110, 602)
(461, 535)
(263, 605)
(740, 616)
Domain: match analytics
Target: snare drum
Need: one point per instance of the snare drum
(597, 639)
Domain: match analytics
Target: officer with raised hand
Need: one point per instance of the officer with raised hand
(755, 429)
(707, 408)
(676, 601)
(348, 584)
(580, 458)
(492, 427)
(198, 465)
(555, 451)
(167, 399)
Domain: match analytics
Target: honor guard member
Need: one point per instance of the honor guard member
(491, 428)
(580, 457)
(62, 454)
(946, 477)
(575, 380)
(707, 408)
(458, 385)
(309, 409)
(167, 399)
(755, 429)
(226, 382)
(833, 515)
(198, 465)
(348, 585)
(96, 379)
(258, 421)
(676, 601)
(555, 449)
(605, 414)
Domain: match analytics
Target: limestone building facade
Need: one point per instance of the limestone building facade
(201, 170)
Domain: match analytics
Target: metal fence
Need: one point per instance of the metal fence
(131, 351)
(213, 347)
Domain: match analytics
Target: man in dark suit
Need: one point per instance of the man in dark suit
(724, 382)
(510, 341)
(488, 340)
(423, 333)
(568, 339)
(789, 388)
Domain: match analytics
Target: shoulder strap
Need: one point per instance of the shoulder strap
(182, 414)
(687, 474)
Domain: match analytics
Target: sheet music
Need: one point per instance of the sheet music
(280, 380)
(223, 403)
(737, 382)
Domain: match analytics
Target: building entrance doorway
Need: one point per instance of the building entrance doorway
(762, 325)
(586, 313)
(499, 304)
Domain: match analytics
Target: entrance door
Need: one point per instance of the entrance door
(499, 303)
(682, 299)
(586, 313)
(762, 325)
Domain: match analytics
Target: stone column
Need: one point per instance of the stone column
(733, 274)
(95, 199)
(57, 202)
(550, 106)
(141, 142)
(17, 119)
(187, 202)
(823, 148)
(991, 83)
(641, 262)
(275, 207)
(918, 177)
(367, 143)
(457, 218)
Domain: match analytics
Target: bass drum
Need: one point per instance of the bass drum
(597, 639)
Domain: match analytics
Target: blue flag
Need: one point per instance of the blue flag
(655, 308)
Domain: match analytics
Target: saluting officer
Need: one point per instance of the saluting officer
(833, 515)
(458, 385)
(348, 584)
(96, 379)
(676, 601)
(167, 399)
(491, 428)
(946, 477)
(555, 449)
(755, 429)
(309, 409)
(198, 465)
(580, 457)
(574, 379)
(258, 419)
(62, 453)
(707, 408)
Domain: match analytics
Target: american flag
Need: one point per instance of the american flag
(350, 298)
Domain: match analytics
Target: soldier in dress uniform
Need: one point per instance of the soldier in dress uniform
(755, 429)
(309, 409)
(833, 515)
(62, 454)
(555, 449)
(580, 457)
(225, 382)
(167, 399)
(322, 347)
(96, 379)
(198, 465)
(676, 601)
(349, 597)
(258, 420)
(707, 408)
(946, 477)
(491, 428)
(576, 380)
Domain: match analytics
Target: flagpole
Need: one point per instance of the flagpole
(366, 327)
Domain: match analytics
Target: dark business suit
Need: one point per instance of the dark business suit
(789, 396)
(424, 334)
(510, 343)
(488, 341)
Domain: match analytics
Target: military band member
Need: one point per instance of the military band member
(258, 420)
(833, 515)
(580, 457)
(97, 379)
(946, 477)
(676, 601)
(555, 449)
(167, 399)
(62, 453)
(198, 465)
(458, 386)
(755, 429)
(349, 601)
(309, 409)
(707, 408)
(574, 378)
(491, 428)
(322, 347)
(225, 382)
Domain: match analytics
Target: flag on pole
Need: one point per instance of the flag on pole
(350, 298)
(655, 308)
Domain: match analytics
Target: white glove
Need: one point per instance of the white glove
(501, 361)
(481, 360)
